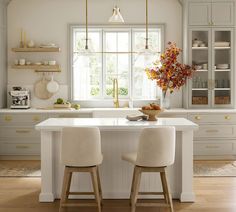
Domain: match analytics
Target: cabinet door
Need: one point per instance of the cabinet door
(222, 13)
(199, 13)
(223, 67)
(200, 56)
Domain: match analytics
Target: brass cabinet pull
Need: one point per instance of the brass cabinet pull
(212, 131)
(227, 117)
(212, 147)
(36, 118)
(197, 117)
(8, 118)
(22, 131)
(22, 147)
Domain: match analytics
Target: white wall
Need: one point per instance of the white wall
(3, 52)
(47, 21)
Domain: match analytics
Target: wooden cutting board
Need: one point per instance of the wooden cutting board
(40, 89)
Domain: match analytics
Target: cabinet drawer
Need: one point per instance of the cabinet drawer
(226, 148)
(18, 132)
(213, 118)
(215, 131)
(21, 119)
(19, 149)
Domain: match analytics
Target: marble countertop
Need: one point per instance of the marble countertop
(56, 124)
(91, 110)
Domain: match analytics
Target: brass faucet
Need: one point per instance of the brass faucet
(116, 93)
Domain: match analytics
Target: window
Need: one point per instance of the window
(114, 53)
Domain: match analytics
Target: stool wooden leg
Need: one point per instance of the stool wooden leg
(132, 189)
(96, 187)
(137, 179)
(69, 183)
(164, 187)
(168, 191)
(99, 185)
(65, 187)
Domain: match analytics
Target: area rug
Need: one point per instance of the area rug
(214, 169)
(20, 169)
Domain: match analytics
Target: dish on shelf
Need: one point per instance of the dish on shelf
(49, 45)
(38, 63)
(222, 66)
(222, 44)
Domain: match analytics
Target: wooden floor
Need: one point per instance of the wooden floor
(213, 195)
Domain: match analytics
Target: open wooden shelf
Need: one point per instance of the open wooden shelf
(38, 49)
(39, 68)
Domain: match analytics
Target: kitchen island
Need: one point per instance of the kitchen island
(118, 136)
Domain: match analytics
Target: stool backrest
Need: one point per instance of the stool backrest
(156, 147)
(81, 146)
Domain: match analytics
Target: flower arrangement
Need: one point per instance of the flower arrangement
(168, 72)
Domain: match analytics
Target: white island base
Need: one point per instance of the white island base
(118, 136)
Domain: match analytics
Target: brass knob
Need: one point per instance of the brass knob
(197, 117)
(8, 118)
(36, 118)
(227, 117)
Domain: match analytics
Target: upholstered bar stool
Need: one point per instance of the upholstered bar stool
(81, 152)
(156, 151)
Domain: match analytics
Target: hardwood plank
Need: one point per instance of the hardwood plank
(212, 194)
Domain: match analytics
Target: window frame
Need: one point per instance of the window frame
(108, 102)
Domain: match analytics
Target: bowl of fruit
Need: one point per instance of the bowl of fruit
(152, 110)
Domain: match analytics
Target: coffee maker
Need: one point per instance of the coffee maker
(20, 98)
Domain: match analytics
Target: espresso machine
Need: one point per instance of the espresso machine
(20, 98)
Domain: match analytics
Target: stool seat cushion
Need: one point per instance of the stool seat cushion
(130, 157)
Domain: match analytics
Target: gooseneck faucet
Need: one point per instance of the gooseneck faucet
(116, 93)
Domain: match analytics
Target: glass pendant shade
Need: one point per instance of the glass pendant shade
(116, 17)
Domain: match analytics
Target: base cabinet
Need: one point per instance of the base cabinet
(18, 136)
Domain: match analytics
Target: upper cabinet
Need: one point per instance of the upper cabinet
(207, 13)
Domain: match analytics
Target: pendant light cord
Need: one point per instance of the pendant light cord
(146, 47)
(86, 45)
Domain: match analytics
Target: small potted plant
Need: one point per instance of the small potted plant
(169, 74)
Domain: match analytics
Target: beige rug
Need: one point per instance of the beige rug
(214, 169)
(20, 169)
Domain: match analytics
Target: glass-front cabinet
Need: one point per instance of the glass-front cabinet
(210, 50)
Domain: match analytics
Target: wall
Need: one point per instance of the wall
(47, 21)
(3, 52)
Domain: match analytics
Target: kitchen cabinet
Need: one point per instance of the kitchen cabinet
(18, 136)
(216, 137)
(211, 13)
(213, 83)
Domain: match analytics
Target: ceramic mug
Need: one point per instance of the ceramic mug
(22, 62)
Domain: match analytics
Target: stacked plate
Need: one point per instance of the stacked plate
(222, 66)
(222, 44)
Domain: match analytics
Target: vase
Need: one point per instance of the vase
(165, 100)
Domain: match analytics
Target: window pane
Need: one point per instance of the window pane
(117, 41)
(117, 66)
(154, 41)
(143, 88)
(86, 76)
(80, 41)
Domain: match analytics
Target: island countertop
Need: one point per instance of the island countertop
(56, 124)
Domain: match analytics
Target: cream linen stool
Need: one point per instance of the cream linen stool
(156, 151)
(81, 152)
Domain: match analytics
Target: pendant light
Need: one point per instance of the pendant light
(147, 50)
(116, 16)
(86, 39)
(146, 54)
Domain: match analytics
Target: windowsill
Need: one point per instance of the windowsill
(108, 103)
